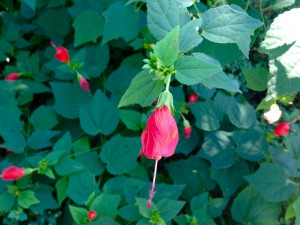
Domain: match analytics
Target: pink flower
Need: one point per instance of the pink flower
(61, 54)
(187, 132)
(159, 140)
(84, 84)
(161, 135)
(12, 173)
(193, 98)
(273, 115)
(92, 215)
(12, 76)
(282, 129)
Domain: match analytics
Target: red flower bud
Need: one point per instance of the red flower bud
(84, 84)
(187, 132)
(92, 215)
(193, 98)
(8, 151)
(282, 129)
(161, 135)
(12, 173)
(12, 76)
(61, 54)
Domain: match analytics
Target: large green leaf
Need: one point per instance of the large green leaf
(38, 116)
(81, 185)
(229, 24)
(208, 115)
(257, 78)
(88, 27)
(106, 204)
(167, 49)
(282, 44)
(79, 214)
(41, 138)
(9, 201)
(218, 149)
(68, 99)
(132, 119)
(250, 208)
(100, 114)
(121, 21)
(168, 209)
(143, 90)
(272, 188)
(189, 36)
(192, 70)
(193, 173)
(27, 198)
(251, 144)
(230, 179)
(120, 154)
(162, 16)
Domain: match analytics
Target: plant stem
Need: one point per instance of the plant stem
(195, 6)
(168, 82)
(247, 5)
(262, 14)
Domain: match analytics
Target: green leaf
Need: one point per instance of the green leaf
(132, 119)
(193, 173)
(10, 118)
(68, 99)
(88, 26)
(250, 208)
(167, 49)
(55, 22)
(38, 116)
(251, 144)
(192, 70)
(220, 79)
(282, 44)
(117, 83)
(229, 24)
(143, 209)
(272, 188)
(106, 204)
(41, 138)
(81, 186)
(129, 212)
(189, 36)
(47, 201)
(96, 59)
(13, 140)
(9, 202)
(99, 115)
(79, 7)
(216, 207)
(120, 154)
(121, 21)
(199, 205)
(79, 214)
(27, 199)
(280, 4)
(230, 179)
(257, 78)
(61, 189)
(90, 160)
(296, 207)
(142, 90)
(168, 209)
(208, 115)
(218, 149)
(67, 166)
(30, 3)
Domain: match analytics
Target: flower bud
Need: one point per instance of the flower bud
(12, 173)
(282, 129)
(193, 98)
(84, 84)
(187, 129)
(61, 54)
(12, 76)
(92, 215)
(160, 137)
(273, 115)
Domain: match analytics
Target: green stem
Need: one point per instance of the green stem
(195, 6)
(247, 5)
(168, 82)
(262, 14)
(85, 151)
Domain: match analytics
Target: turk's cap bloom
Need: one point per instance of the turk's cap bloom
(193, 98)
(160, 137)
(12, 77)
(12, 173)
(92, 215)
(273, 115)
(61, 54)
(282, 129)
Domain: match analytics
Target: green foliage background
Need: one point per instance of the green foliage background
(238, 56)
